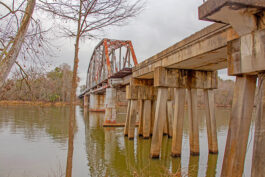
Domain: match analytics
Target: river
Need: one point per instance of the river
(34, 142)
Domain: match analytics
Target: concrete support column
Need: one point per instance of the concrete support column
(110, 109)
(97, 103)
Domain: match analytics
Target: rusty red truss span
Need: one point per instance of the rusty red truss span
(110, 59)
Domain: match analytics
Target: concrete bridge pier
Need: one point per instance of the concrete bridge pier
(110, 109)
(97, 102)
(245, 61)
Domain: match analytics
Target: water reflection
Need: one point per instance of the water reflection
(35, 121)
(211, 165)
(111, 154)
(70, 150)
(41, 133)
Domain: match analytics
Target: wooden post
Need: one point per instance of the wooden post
(126, 127)
(258, 158)
(240, 119)
(160, 116)
(132, 119)
(193, 122)
(153, 109)
(170, 118)
(178, 121)
(147, 118)
(85, 100)
(165, 129)
(140, 127)
(210, 121)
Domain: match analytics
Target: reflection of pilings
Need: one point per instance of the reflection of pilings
(193, 166)
(129, 150)
(211, 165)
(176, 167)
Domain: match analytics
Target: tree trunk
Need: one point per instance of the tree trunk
(72, 101)
(8, 61)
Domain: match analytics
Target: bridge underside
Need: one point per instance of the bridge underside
(205, 50)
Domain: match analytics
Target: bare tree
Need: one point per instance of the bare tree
(9, 52)
(21, 36)
(85, 18)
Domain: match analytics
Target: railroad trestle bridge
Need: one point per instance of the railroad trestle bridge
(156, 89)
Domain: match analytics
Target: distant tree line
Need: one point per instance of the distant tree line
(36, 85)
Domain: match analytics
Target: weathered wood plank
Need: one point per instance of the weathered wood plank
(246, 55)
(179, 78)
(240, 119)
(178, 122)
(193, 122)
(160, 116)
(210, 121)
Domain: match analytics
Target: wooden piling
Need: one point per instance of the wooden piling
(126, 127)
(210, 121)
(258, 158)
(193, 122)
(85, 100)
(132, 119)
(170, 118)
(141, 108)
(160, 116)
(146, 118)
(165, 129)
(178, 122)
(153, 109)
(240, 119)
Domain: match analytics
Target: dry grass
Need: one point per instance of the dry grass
(39, 103)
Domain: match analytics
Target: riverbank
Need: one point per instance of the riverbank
(38, 103)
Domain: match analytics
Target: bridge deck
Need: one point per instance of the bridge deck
(204, 50)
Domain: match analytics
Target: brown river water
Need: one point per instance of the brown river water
(34, 142)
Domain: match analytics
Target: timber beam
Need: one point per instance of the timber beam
(179, 78)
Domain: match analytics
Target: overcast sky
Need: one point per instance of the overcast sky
(162, 24)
